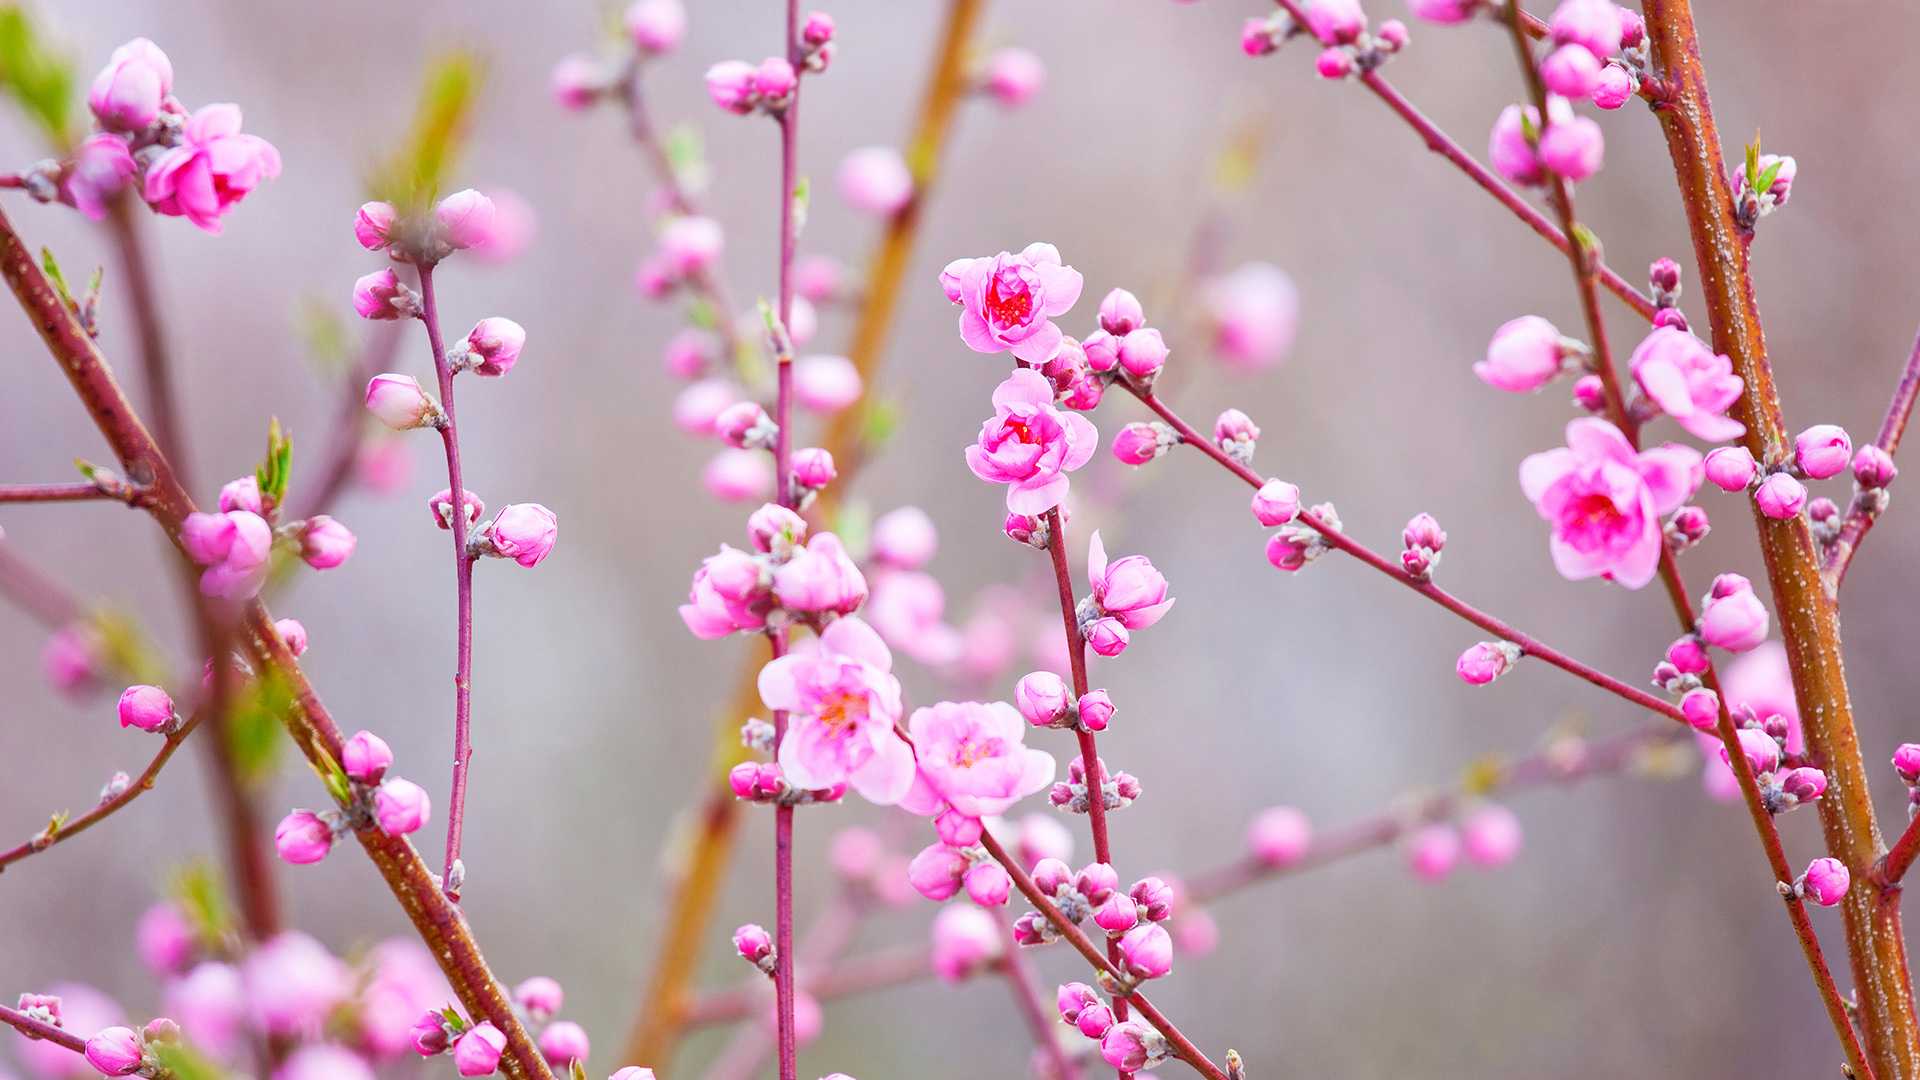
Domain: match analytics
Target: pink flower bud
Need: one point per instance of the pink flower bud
(165, 941)
(1486, 661)
(1613, 87)
(575, 83)
(496, 343)
(1592, 23)
(1108, 637)
(302, 838)
(1432, 851)
(1873, 467)
(936, 872)
(1669, 317)
(398, 402)
(429, 1034)
(1337, 22)
(1590, 393)
(1147, 951)
(325, 543)
(242, 494)
(988, 885)
(738, 475)
(1423, 531)
(744, 424)
(774, 79)
(753, 943)
(635, 1072)
(826, 383)
(1276, 503)
(1234, 426)
(905, 538)
(1780, 496)
(365, 757)
(1117, 914)
(1571, 71)
(380, 295)
(1096, 881)
(1443, 12)
(1524, 355)
(1392, 36)
(817, 30)
(1736, 622)
(656, 26)
(1826, 881)
(292, 634)
(1074, 998)
(127, 94)
(1490, 836)
(115, 1051)
(1052, 875)
(1512, 155)
(730, 85)
(1687, 527)
(467, 217)
(1664, 275)
(1633, 29)
(1121, 313)
(1804, 784)
(819, 278)
(102, 168)
(965, 939)
(1279, 835)
(875, 180)
(1334, 63)
(523, 532)
(1906, 761)
(699, 406)
(1137, 444)
(775, 527)
(741, 778)
(820, 578)
(401, 807)
(1573, 147)
(1732, 468)
(957, 830)
(689, 352)
(1096, 710)
(1759, 748)
(1702, 709)
(541, 997)
(1727, 585)
(371, 223)
(564, 1042)
(1143, 352)
(477, 1053)
(1124, 1045)
(1041, 697)
(1822, 451)
(1014, 77)
(145, 707)
(1154, 897)
(442, 507)
(691, 245)
(813, 468)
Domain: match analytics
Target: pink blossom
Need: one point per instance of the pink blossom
(1124, 1046)
(1780, 496)
(1524, 355)
(936, 871)
(1253, 312)
(1334, 63)
(302, 838)
(905, 537)
(164, 939)
(242, 494)
(1276, 503)
(774, 80)
(494, 345)
(1490, 835)
(576, 81)
(1129, 589)
(843, 703)
(1147, 951)
(115, 1051)
(1731, 468)
(401, 807)
(1041, 697)
(1694, 386)
(84, 1011)
(1138, 443)
(325, 543)
(1605, 501)
(128, 93)
(210, 1002)
(1826, 880)
(1485, 662)
(730, 85)
(1906, 762)
(813, 468)
(965, 939)
(380, 295)
(523, 532)
(1614, 87)
(971, 757)
(1096, 710)
(1010, 301)
(1444, 12)
(691, 245)
(1822, 450)
(477, 1053)
(466, 216)
(1761, 752)
(1432, 851)
(515, 224)
(102, 168)
(908, 608)
(212, 169)
(564, 1041)
(875, 180)
(1015, 77)
(1336, 22)
(293, 983)
(820, 578)
(145, 707)
(1596, 24)
(365, 757)
(236, 549)
(1736, 622)
(1029, 444)
(1143, 352)
(1701, 708)
(323, 1061)
(398, 402)
(1571, 71)
(1510, 150)
(372, 222)
(1572, 146)
(656, 26)
(988, 885)
(826, 383)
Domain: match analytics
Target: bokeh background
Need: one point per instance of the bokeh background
(1637, 935)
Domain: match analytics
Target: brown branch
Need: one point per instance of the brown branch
(108, 806)
(1866, 507)
(44, 493)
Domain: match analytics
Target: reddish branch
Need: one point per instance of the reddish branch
(39, 1029)
(1865, 509)
(107, 806)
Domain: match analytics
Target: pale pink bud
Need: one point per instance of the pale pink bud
(371, 223)
(774, 526)
(115, 1051)
(826, 383)
(1334, 63)
(127, 94)
(1147, 951)
(145, 707)
(1154, 897)
(524, 532)
(1443, 12)
(1096, 881)
(442, 507)
(1573, 147)
(1279, 835)
(1590, 393)
(1822, 451)
(1490, 836)
(1873, 467)
(1731, 468)
(905, 537)
(1736, 622)
(496, 343)
(1571, 71)
(1906, 762)
(1727, 585)
(1804, 784)
(855, 852)
(820, 578)
(477, 1053)
(1096, 710)
(819, 278)
(692, 245)
(656, 26)
(1826, 881)
(1780, 496)
(875, 180)
(102, 168)
(965, 939)
(813, 468)
(429, 1034)
(1664, 275)
(242, 494)
(467, 217)
(563, 1042)
(401, 807)
(1613, 87)
(698, 406)
(988, 885)
(1512, 155)
(652, 280)
(575, 83)
(1592, 23)
(292, 634)
(1050, 875)
(1276, 503)
(1124, 1045)
(302, 838)
(817, 30)
(1688, 654)
(1523, 356)
(689, 352)
(730, 85)
(1043, 837)
(1014, 77)
(1074, 998)
(325, 543)
(1117, 914)
(1121, 313)
(1759, 748)
(1687, 527)
(398, 402)
(1041, 697)
(1339, 22)
(1137, 444)
(1486, 661)
(1432, 851)
(957, 830)
(380, 295)
(936, 872)
(774, 79)
(1701, 708)
(365, 757)
(1143, 352)
(1108, 637)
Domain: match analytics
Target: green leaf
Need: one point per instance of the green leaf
(272, 473)
(39, 76)
(1753, 164)
(52, 267)
(185, 1063)
(880, 418)
(802, 196)
(1767, 178)
(701, 314)
(254, 723)
(413, 175)
(197, 891)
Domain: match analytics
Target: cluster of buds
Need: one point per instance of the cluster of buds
(1131, 918)
(462, 220)
(1263, 35)
(1422, 539)
(785, 577)
(1687, 527)
(523, 532)
(653, 28)
(561, 1042)
(1138, 443)
(1761, 185)
(1031, 529)
(1128, 594)
(959, 861)
(1294, 546)
(236, 544)
(1123, 347)
(1526, 152)
(1906, 762)
(368, 797)
(1117, 790)
(1236, 434)
(1663, 277)
(1679, 673)
(1131, 1046)
(762, 782)
(742, 88)
(1784, 782)
(476, 1048)
(1043, 699)
(122, 1051)
(1340, 26)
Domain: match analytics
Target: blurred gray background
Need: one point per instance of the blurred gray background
(1637, 935)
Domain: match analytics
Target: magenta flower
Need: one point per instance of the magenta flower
(843, 702)
(145, 707)
(821, 578)
(1684, 377)
(115, 1051)
(302, 838)
(1011, 300)
(972, 758)
(212, 169)
(236, 548)
(1605, 501)
(727, 596)
(128, 93)
(102, 166)
(1031, 445)
(1129, 589)
(1826, 882)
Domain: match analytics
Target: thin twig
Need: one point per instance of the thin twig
(38, 1029)
(107, 806)
(1866, 509)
